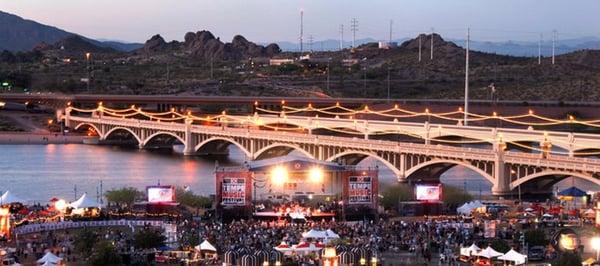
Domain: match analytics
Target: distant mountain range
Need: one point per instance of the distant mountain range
(19, 34)
(514, 48)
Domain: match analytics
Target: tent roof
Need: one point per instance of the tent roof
(8, 198)
(514, 256)
(49, 257)
(312, 233)
(572, 192)
(84, 202)
(331, 234)
(206, 246)
(489, 252)
(293, 163)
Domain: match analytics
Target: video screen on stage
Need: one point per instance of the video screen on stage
(360, 189)
(161, 194)
(428, 192)
(234, 191)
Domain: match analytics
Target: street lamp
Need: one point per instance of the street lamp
(596, 246)
(87, 60)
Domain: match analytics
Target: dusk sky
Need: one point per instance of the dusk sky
(278, 20)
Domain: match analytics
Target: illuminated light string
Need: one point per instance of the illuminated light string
(446, 116)
(257, 122)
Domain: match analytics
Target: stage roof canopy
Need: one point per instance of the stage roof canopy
(293, 163)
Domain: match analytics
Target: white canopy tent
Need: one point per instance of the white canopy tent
(489, 253)
(8, 198)
(472, 250)
(84, 202)
(47, 263)
(206, 246)
(312, 233)
(331, 234)
(514, 257)
(49, 257)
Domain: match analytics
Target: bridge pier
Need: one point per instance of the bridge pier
(189, 145)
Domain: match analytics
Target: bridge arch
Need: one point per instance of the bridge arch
(100, 134)
(392, 167)
(287, 145)
(149, 138)
(564, 174)
(420, 166)
(228, 140)
(139, 140)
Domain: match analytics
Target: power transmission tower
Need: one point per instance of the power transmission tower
(310, 43)
(354, 29)
(341, 37)
(391, 24)
(301, 30)
(431, 48)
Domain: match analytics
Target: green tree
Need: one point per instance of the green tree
(500, 245)
(105, 254)
(454, 196)
(148, 238)
(188, 198)
(125, 196)
(536, 237)
(84, 241)
(393, 194)
(567, 259)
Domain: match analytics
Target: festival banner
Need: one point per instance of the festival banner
(490, 229)
(233, 191)
(360, 190)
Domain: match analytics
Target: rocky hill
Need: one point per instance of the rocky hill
(205, 45)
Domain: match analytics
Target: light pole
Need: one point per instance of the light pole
(512, 173)
(87, 60)
(388, 82)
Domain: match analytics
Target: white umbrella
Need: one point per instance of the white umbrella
(312, 233)
(547, 215)
(514, 256)
(49, 258)
(529, 210)
(205, 246)
(489, 253)
(84, 202)
(8, 198)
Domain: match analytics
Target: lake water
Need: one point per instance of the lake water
(39, 172)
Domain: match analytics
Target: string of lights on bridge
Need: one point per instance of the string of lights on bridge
(174, 116)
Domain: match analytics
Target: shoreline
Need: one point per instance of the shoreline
(39, 138)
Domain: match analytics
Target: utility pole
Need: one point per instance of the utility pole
(540, 49)
(431, 48)
(420, 35)
(328, 61)
(388, 81)
(211, 67)
(553, 45)
(354, 29)
(391, 24)
(301, 29)
(341, 37)
(467, 78)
